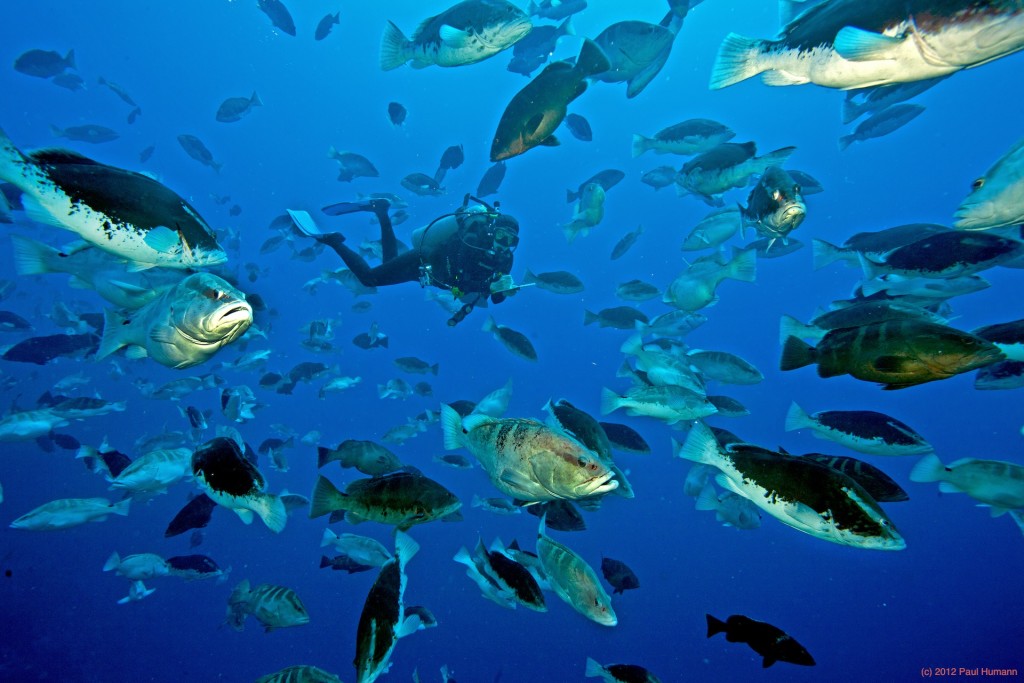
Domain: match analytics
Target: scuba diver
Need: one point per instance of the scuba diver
(467, 252)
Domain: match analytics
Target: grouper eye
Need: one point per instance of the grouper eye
(977, 184)
(213, 294)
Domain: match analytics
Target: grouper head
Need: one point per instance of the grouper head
(206, 312)
(575, 473)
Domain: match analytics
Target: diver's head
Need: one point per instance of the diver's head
(506, 231)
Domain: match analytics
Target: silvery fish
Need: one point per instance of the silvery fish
(185, 326)
(995, 483)
(573, 580)
(996, 198)
(69, 512)
(96, 269)
(126, 213)
(589, 212)
(154, 472)
(882, 123)
(638, 50)
(724, 167)
(692, 136)
(848, 44)
(526, 459)
(466, 33)
(803, 494)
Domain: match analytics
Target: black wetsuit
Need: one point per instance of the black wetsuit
(465, 263)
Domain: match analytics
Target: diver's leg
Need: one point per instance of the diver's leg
(388, 241)
(404, 268)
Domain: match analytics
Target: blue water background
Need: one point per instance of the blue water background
(952, 598)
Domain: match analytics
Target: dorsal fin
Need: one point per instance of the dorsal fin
(60, 156)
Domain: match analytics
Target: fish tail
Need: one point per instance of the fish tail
(796, 353)
(529, 278)
(700, 445)
(640, 144)
(929, 468)
(846, 140)
(394, 48)
(777, 157)
(592, 60)
(69, 59)
(328, 538)
(324, 455)
(594, 669)
(610, 401)
(272, 511)
(324, 561)
(405, 548)
(736, 61)
(743, 266)
(791, 327)
(571, 196)
(851, 110)
(589, 317)
(715, 625)
(112, 562)
(121, 508)
(326, 498)
(32, 257)
(633, 345)
(797, 418)
(113, 326)
(871, 269)
(489, 324)
(451, 425)
(255, 100)
(707, 500)
(824, 253)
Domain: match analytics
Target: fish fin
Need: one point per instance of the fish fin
(594, 669)
(796, 418)
(113, 338)
(846, 140)
(122, 507)
(35, 211)
(700, 445)
(592, 59)
(610, 401)
(410, 625)
(162, 239)
(707, 499)
(112, 562)
(858, 45)
(255, 100)
(329, 537)
(405, 547)
(781, 77)
(796, 353)
(394, 48)
(640, 145)
(735, 61)
(453, 428)
(743, 267)
(791, 327)
(32, 257)
(272, 511)
(517, 481)
(824, 253)
(550, 141)
(245, 515)
(533, 123)
(454, 37)
(929, 468)
(715, 626)
(768, 661)
(471, 422)
(326, 498)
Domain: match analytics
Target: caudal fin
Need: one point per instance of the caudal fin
(594, 669)
(700, 445)
(32, 257)
(736, 61)
(394, 48)
(592, 60)
(796, 353)
(929, 468)
(640, 145)
(610, 401)
(797, 418)
(715, 625)
(451, 425)
(272, 511)
(326, 498)
(743, 266)
(824, 253)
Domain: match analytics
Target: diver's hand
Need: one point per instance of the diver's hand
(504, 285)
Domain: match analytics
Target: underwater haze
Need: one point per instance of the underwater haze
(951, 599)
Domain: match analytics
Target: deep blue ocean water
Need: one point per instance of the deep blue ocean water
(951, 599)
